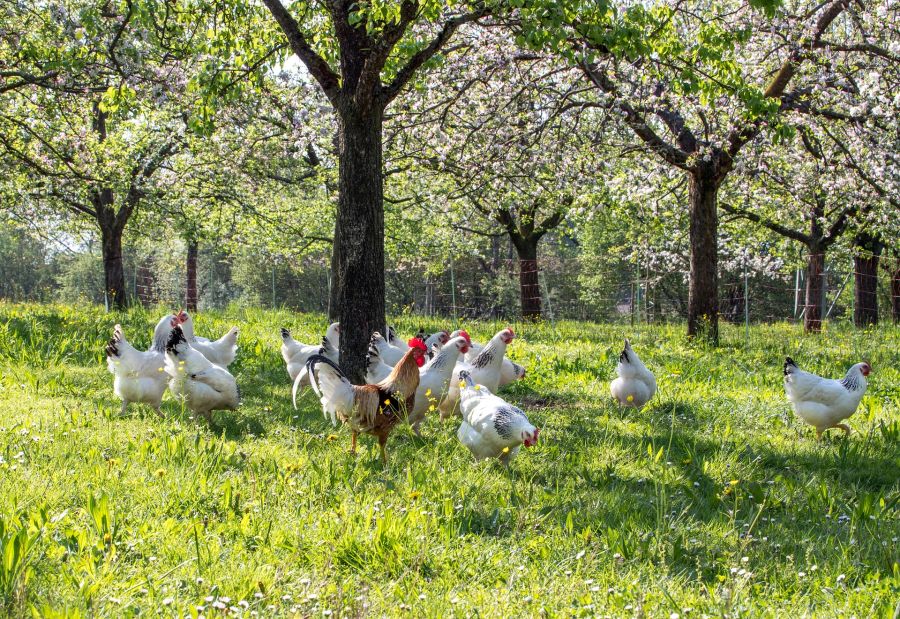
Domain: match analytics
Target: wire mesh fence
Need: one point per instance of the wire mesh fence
(862, 289)
(557, 289)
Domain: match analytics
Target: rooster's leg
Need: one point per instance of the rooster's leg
(353, 436)
(382, 442)
(844, 427)
(159, 412)
(415, 428)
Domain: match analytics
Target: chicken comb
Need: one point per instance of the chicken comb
(416, 342)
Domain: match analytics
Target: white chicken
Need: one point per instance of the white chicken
(388, 353)
(635, 384)
(822, 402)
(139, 375)
(510, 372)
(376, 369)
(484, 368)
(220, 352)
(435, 341)
(434, 380)
(491, 427)
(202, 385)
(295, 354)
(395, 341)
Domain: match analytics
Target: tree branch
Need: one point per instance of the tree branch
(675, 156)
(771, 225)
(389, 92)
(317, 65)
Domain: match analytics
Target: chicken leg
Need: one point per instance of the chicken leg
(353, 436)
(382, 443)
(840, 426)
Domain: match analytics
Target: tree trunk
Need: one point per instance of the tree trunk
(814, 305)
(190, 289)
(360, 236)
(113, 267)
(334, 299)
(703, 290)
(529, 287)
(865, 306)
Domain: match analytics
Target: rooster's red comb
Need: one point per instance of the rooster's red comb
(417, 342)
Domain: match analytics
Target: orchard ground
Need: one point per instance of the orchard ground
(713, 500)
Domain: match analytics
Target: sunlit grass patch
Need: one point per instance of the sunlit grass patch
(712, 499)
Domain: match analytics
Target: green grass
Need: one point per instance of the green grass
(714, 500)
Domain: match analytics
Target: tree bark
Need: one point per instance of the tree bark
(529, 286)
(814, 305)
(113, 267)
(190, 289)
(334, 297)
(865, 262)
(359, 241)
(703, 290)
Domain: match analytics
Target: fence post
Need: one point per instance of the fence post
(824, 301)
(746, 303)
(453, 288)
(632, 303)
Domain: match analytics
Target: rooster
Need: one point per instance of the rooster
(635, 384)
(369, 409)
(491, 427)
(434, 380)
(821, 402)
(202, 385)
(484, 368)
(221, 351)
(295, 354)
(139, 375)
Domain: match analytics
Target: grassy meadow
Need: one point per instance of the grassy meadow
(712, 501)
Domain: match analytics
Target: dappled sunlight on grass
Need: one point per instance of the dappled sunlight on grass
(714, 497)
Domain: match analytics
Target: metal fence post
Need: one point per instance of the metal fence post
(746, 303)
(453, 288)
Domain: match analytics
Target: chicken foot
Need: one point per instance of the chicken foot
(839, 426)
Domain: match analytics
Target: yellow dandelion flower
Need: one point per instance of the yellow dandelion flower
(415, 494)
(733, 482)
(431, 408)
(331, 437)
(462, 384)
(630, 398)
(159, 369)
(387, 402)
(477, 387)
(428, 392)
(506, 450)
(160, 472)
